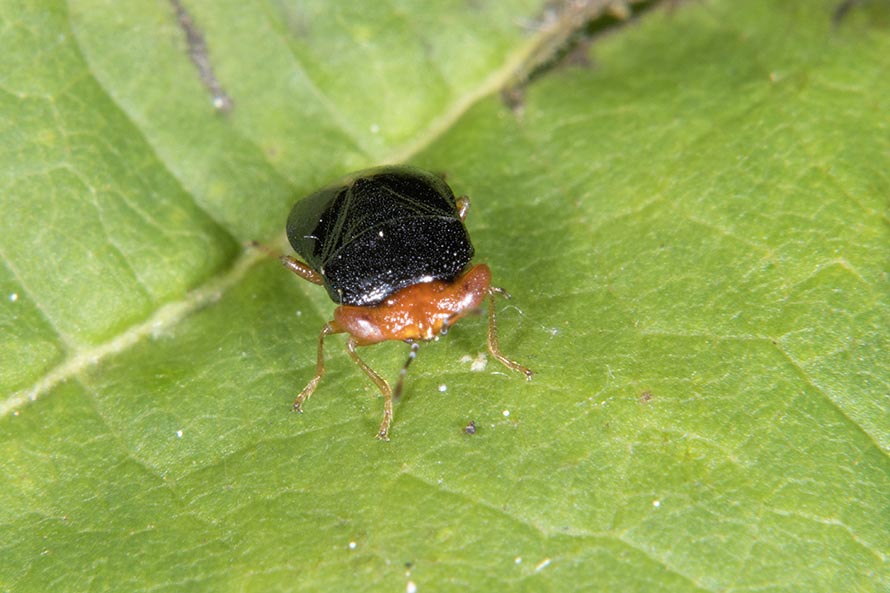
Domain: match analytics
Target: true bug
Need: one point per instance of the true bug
(390, 246)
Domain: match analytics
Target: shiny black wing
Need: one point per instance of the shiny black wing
(380, 231)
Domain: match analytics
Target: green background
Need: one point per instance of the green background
(694, 227)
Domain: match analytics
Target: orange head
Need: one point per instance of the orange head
(418, 312)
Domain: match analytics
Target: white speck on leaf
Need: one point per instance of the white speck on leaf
(542, 565)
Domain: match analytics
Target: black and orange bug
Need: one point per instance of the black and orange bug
(390, 246)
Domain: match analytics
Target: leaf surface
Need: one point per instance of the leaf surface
(694, 228)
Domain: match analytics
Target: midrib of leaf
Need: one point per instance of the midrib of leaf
(165, 318)
(169, 315)
(496, 81)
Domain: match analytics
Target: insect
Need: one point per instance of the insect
(390, 246)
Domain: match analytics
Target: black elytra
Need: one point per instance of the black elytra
(378, 231)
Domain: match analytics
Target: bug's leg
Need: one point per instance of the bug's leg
(301, 269)
(463, 206)
(328, 329)
(382, 385)
(493, 345)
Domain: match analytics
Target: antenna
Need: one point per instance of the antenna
(415, 346)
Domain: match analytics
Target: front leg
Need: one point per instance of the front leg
(328, 329)
(493, 345)
(382, 385)
(300, 269)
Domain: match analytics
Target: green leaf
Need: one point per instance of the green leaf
(695, 228)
